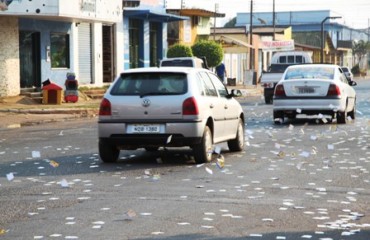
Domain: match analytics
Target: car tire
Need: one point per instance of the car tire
(203, 150)
(237, 144)
(342, 117)
(268, 99)
(278, 117)
(108, 153)
(352, 113)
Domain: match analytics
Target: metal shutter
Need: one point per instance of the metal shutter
(85, 53)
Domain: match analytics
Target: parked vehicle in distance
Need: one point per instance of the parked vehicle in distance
(169, 107)
(348, 73)
(314, 90)
(184, 62)
(279, 62)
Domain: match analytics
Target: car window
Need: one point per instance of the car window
(299, 59)
(342, 75)
(178, 63)
(209, 88)
(154, 83)
(282, 59)
(310, 72)
(290, 59)
(221, 89)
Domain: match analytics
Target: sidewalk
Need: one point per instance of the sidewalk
(19, 111)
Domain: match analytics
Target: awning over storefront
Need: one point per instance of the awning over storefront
(235, 41)
(150, 15)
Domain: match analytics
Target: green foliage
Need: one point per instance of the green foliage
(360, 48)
(356, 69)
(230, 23)
(179, 50)
(209, 49)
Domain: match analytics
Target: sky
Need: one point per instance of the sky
(355, 13)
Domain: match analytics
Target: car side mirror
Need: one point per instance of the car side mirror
(235, 93)
(352, 83)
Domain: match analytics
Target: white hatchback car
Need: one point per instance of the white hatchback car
(169, 107)
(321, 90)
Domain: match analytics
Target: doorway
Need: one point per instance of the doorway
(108, 54)
(30, 59)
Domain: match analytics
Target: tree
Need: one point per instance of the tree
(360, 49)
(179, 50)
(230, 23)
(211, 50)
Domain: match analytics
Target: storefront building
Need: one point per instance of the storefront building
(44, 40)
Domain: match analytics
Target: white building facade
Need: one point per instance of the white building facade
(44, 40)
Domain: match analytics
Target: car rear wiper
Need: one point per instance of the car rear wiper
(156, 94)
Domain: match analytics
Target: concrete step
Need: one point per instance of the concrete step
(25, 91)
(94, 93)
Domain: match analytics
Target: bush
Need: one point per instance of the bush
(209, 49)
(356, 69)
(179, 50)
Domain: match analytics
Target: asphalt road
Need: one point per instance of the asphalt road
(298, 180)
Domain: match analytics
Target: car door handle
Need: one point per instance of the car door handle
(211, 106)
(226, 107)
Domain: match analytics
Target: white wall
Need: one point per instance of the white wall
(9, 57)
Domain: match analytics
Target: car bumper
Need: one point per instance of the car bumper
(171, 134)
(309, 105)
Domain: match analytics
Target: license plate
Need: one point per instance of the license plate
(306, 90)
(145, 128)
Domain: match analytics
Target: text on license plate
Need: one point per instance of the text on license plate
(145, 128)
(306, 90)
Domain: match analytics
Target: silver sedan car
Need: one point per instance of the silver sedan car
(314, 90)
(169, 107)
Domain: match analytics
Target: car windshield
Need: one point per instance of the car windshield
(278, 68)
(310, 72)
(177, 63)
(150, 83)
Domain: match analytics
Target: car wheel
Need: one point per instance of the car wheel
(151, 149)
(237, 144)
(268, 99)
(278, 117)
(108, 152)
(352, 113)
(342, 117)
(203, 150)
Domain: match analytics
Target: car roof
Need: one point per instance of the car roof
(313, 65)
(164, 69)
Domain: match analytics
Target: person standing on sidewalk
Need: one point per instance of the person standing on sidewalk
(221, 72)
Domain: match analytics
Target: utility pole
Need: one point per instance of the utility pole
(251, 37)
(273, 18)
(214, 27)
(323, 37)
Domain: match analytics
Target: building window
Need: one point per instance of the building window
(59, 47)
(134, 42)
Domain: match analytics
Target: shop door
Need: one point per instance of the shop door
(30, 59)
(85, 54)
(108, 54)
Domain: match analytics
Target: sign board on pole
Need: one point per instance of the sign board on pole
(277, 46)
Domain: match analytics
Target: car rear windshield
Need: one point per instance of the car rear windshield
(178, 63)
(150, 83)
(310, 73)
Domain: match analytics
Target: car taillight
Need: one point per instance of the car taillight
(267, 85)
(333, 90)
(105, 108)
(279, 91)
(190, 107)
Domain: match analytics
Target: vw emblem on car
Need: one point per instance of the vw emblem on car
(146, 102)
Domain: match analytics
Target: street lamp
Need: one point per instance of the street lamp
(322, 36)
